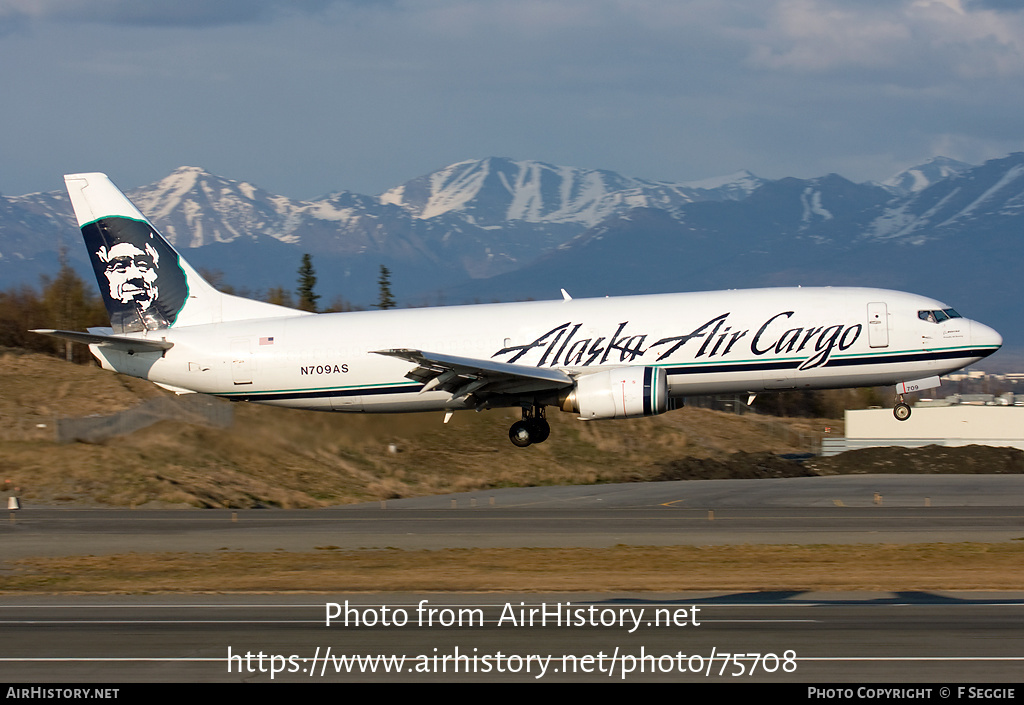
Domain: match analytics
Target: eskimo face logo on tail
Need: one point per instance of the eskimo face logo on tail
(143, 285)
(131, 273)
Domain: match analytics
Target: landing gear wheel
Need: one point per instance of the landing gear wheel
(539, 430)
(521, 434)
(533, 428)
(901, 411)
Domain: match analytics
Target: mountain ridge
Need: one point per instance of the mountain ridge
(500, 228)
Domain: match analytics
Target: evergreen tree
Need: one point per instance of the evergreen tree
(385, 299)
(307, 281)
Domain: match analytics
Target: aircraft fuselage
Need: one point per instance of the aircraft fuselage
(706, 343)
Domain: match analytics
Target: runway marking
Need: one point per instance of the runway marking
(163, 621)
(109, 659)
(708, 601)
(476, 513)
(222, 659)
(72, 622)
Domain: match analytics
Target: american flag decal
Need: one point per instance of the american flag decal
(267, 341)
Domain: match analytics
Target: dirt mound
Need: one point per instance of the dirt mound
(929, 460)
(736, 466)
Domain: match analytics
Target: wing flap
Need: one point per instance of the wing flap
(462, 376)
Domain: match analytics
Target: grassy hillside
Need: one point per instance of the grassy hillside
(291, 458)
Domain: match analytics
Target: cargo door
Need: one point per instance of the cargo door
(241, 361)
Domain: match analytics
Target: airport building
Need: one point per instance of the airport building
(969, 422)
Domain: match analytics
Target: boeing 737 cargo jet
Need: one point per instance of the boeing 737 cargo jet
(608, 358)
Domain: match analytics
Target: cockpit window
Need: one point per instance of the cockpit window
(938, 316)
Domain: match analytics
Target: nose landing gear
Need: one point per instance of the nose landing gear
(533, 428)
(902, 410)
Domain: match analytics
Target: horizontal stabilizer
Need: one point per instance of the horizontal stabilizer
(128, 345)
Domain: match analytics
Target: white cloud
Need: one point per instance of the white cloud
(911, 39)
(362, 94)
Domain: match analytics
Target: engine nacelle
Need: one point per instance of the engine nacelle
(619, 393)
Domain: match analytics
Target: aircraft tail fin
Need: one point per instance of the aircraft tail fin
(145, 283)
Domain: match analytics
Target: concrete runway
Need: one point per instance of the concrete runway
(784, 637)
(695, 638)
(909, 509)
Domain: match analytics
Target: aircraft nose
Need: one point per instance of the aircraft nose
(984, 337)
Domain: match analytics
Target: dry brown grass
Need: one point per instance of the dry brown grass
(965, 566)
(294, 459)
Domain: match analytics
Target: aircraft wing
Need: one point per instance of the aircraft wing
(462, 376)
(129, 345)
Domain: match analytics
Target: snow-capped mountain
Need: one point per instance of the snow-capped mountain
(475, 218)
(491, 192)
(499, 228)
(195, 208)
(982, 198)
(918, 178)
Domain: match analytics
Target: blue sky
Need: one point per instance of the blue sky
(312, 96)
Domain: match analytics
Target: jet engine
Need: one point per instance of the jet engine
(619, 393)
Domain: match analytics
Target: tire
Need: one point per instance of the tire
(520, 434)
(539, 431)
(901, 411)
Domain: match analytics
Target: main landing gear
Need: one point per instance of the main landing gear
(902, 410)
(532, 429)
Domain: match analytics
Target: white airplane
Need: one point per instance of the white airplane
(599, 358)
